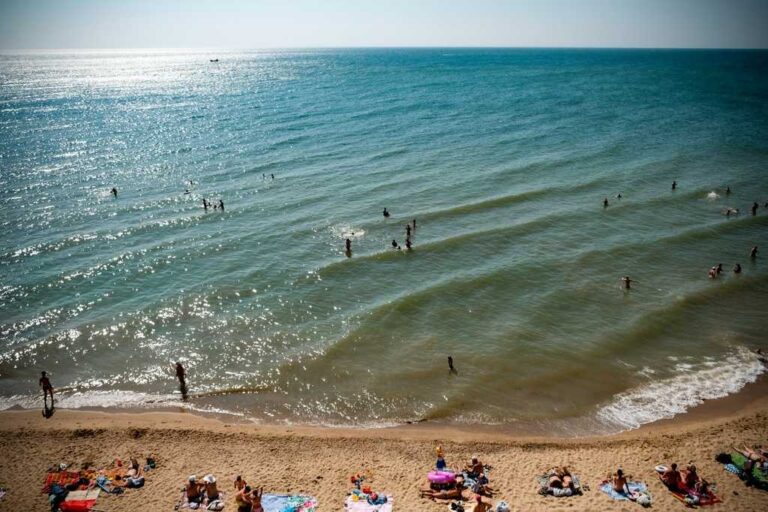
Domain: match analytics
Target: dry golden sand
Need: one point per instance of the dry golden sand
(320, 461)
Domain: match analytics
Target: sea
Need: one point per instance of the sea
(502, 158)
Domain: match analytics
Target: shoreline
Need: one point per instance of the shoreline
(752, 397)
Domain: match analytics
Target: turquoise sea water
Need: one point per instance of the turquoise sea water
(504, 158)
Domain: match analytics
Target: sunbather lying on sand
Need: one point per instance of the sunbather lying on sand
(757, 455)
(439, 492)
(561, 479)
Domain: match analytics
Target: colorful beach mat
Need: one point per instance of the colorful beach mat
(738, 461)
(288, 503)
(79, 501)
(362, 505)
(62, 478)
(686, 495)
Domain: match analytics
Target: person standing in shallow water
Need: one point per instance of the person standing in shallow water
(114, 191)
(181, 374)
(737, 269)
(45, 383)
(385, 213)
(754, 208)
(605, 203)
(753, 253)
(450, 365)
(674, 185)
(627, 282)
(205, 205)
(221, 205)
(407, 231)
(348, 245)
(395, 245)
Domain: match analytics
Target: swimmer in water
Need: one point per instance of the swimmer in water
(221, 205)
(348, 244)
(719, 268)
(414, 224)
(712, 273)
(674, 185)
(205, 205)
(618, 196)
(385, 213)
(605, 203)
(395, 244)
(273, 176)
(407, 230)
(114, 191)
(727, 190)
(186, 191)
(627, 282)
(753, 252)
(755, 206)
(737, 269)
(408, 243)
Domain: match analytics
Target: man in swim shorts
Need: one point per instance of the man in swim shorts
(45, 383)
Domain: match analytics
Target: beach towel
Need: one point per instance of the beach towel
(62, 478)
(79, 501)
(634, 487)
(758, 477)
(288, 503)
(362, 505)
(689, 496)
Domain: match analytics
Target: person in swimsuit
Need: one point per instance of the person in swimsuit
(728, 190)
(385, 213)
(712, 272)
(671, 478)
(395, 245)
(737, 269)
(674, 185)
(753, 252)
(193, 490)
(619, 482)
(755, 206)
(475, 468)
(239, 483)
(221, 205)
(205, 205)
(348, 245)
(408, 244)
(450, 365)
(211, 491)
(256, 500)
(627, 282)
(45, 383)
(243, 499)
(407, 231)
(114, 191)
(690, 477)
(719, 268)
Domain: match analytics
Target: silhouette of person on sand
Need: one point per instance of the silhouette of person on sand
(181, 374)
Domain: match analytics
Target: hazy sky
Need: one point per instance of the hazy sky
(328, 23)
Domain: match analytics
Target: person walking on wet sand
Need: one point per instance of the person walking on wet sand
(450, 365)
(45, 383)
(181, 374)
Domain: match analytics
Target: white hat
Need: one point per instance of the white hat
(192, 478)
(209, 479)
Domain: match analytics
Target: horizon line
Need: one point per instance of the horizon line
(384, 47)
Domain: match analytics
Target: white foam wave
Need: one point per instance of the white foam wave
(669, 397)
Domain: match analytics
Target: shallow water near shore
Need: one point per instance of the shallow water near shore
(503, 157)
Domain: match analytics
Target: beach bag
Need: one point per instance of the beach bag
(135, 482)
(216, 505)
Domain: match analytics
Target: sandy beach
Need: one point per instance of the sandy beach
(320, 461)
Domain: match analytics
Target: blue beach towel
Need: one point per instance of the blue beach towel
(607, 488)
(288, 503)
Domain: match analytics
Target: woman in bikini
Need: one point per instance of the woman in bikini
(256, 500)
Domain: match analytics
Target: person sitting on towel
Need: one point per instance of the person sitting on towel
(619, 483)
(561, 479)
(474, 468)
(211, 491)
(690, 477)
(193, 490)
(671, 478)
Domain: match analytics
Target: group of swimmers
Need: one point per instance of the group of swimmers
(716, 270)
(410, 227)
(207, 205)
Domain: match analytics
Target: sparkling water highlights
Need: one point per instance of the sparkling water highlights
(504, 158)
